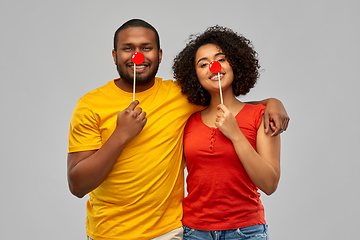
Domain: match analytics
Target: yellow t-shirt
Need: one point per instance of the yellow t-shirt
(142, 196)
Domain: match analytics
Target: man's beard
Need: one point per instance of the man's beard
(140, 79)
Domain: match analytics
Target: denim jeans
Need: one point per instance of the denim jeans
(256, 232)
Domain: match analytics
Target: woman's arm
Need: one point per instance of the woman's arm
(263, 165)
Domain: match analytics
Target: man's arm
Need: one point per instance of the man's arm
(275, 115)
(88, 169)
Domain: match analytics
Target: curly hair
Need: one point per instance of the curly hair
(238, 51)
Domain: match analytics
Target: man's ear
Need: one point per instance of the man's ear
(160, 54)
(114, 56)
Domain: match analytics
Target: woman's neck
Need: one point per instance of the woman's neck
(229, 100)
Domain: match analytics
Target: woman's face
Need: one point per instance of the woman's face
(204, 56)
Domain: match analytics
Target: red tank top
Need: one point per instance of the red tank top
(221, 195)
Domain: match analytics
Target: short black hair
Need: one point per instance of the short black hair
(136, 23)
(239, 53)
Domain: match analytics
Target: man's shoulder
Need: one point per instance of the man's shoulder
(99, 92)
(168, 84)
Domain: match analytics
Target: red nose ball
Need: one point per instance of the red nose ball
(215, 67)
(138, 58)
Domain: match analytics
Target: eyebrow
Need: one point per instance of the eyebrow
(204, 58)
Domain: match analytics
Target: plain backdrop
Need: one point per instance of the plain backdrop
(53, 52)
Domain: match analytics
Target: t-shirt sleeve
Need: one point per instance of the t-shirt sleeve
(84, 133)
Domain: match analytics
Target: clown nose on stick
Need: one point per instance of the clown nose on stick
(137, 58)
(215, 67)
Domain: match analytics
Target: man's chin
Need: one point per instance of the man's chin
(140, 78)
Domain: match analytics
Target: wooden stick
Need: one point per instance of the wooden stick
(221, 97)
(134, 82)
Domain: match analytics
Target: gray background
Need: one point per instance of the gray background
(53, 52)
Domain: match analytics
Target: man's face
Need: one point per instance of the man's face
(137, 39)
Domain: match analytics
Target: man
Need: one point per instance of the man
(129, 160)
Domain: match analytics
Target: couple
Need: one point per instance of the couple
(128, 155)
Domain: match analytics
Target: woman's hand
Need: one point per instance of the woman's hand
(226, 122)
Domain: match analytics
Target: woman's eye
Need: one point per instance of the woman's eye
(203, 65)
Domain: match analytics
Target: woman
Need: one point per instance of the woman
(229, 156)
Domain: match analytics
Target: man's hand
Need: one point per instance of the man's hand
(275, 117)
(131, 121)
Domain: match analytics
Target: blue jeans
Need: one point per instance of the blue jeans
(256, 232)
